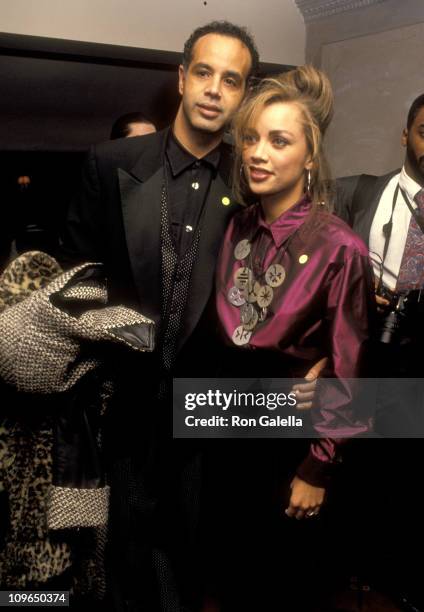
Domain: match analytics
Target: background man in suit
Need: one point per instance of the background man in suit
(154, 210)
(381, 209)
(132, 124)
(388, 213)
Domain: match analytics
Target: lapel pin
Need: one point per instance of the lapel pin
(303, 259)
(225, 201)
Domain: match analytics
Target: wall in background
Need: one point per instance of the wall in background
(277, 24)
(375, 79)
(364, 17)
(374, 58)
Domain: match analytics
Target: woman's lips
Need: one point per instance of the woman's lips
(258, 175)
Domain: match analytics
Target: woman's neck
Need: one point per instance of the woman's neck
(275, 204)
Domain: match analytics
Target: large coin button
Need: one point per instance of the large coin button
(247, 312)
(265, 296)
(275, 275)
(243, 278)
(241, 336)
(236, 296)
(250, 326)
(242, 249)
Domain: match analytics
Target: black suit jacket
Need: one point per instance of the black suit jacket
(357, 199)
(116, 220)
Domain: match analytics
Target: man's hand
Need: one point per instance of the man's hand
(381, 301)
(305, 391)
(305, 500)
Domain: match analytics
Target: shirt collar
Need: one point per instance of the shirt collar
(286, 224)
(180, 159)
(411, 187)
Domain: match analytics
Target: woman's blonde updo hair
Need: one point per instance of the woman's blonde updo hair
(311, 90)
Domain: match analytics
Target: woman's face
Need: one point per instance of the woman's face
(275, 152)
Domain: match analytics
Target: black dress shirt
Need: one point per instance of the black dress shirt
(188, 182)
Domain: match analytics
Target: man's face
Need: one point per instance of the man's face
(413, 140)
(214, 83)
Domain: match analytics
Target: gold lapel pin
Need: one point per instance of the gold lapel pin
(226, 201)
(303, 259)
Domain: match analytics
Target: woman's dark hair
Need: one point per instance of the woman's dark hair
(224, 28)
(121, 127)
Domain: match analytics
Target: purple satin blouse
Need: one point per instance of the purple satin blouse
(322, 308)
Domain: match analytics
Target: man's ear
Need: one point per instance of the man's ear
(404, 139)
(181, 79)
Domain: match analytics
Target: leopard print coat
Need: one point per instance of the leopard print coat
(32, 555)
(25, 274)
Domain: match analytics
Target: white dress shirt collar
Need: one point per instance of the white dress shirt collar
(410, 186)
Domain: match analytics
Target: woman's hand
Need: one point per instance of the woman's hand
(305, 500)
(305, 392)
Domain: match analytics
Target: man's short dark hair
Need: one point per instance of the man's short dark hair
(416, 106)
(224, 28)
(121, 127)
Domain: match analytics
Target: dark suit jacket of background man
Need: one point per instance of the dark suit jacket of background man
(393, 464)
(357, 199)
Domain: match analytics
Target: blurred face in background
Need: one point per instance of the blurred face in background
(140, 129)
(413, 140)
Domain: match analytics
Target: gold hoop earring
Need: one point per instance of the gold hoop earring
(243, 181)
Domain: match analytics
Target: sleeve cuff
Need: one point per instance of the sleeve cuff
(315, 472)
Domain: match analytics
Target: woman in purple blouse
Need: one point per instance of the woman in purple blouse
(293, 281)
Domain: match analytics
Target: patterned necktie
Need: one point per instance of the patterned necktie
(411, 272)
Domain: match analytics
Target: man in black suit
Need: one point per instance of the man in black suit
(381, 210)
(154, 209)
(117, 218)
(388, 213)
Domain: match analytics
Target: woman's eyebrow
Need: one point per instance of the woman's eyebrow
(278, 132)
